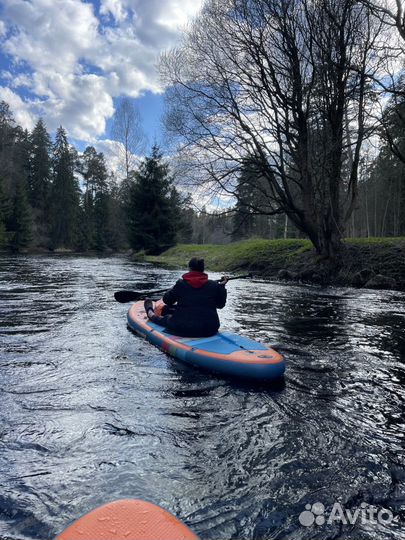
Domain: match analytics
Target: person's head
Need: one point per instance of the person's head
(196, 265)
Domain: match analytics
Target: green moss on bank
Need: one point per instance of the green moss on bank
(254, 254)
(268, 257)
(384, 256)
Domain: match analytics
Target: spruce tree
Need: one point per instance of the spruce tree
(2, 234)
(20, 223)
(4, 211)
(7, 133)
(181, 215)
(64, 195)
(39, 180)
(152, 226)
(392, 128)
(23, 154)
(101, 210)
(247, 200)
(10, 171)
(87, 223)
(117, 216)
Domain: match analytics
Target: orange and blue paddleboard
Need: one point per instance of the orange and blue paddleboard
(128, 519)
(224, 353)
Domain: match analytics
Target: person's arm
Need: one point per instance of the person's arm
(171, 296)
(221, 294)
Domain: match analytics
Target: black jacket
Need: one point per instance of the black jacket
(197, 299)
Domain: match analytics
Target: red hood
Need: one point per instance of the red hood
(195, 279)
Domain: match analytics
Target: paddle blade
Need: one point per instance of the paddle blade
(126, 296)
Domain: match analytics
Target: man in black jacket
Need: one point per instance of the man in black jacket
(195, 299)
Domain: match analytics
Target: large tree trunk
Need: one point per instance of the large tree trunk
(273, 80)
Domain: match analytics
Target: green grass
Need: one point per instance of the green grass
(266, 257)
(255, 253)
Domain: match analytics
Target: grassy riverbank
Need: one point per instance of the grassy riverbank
(363, 260)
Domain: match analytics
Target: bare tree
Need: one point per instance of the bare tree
(391, 11)
(391, 117)
(278, 79)
(128, 133)
(392, 121)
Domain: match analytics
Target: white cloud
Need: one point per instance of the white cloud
(20, 109)
(80, 102)
(114, 8)
(74, 60)
(179, 13)
(113, 152)
(3, 28)
(6, 75)
(21, 80)
(128, 62)
(50, 34)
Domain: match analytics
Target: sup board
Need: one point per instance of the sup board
(225, 353)
(128, 519)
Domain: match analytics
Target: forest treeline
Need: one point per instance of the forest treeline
(53, 197)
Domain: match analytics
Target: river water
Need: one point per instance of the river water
(90, 413)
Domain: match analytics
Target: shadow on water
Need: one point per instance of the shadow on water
(188, 375)
(90, 413)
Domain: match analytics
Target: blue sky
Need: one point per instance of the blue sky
(151, 107)
(70, 61)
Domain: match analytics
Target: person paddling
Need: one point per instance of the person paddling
(195, 300)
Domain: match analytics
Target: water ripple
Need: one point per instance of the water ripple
(90, 413)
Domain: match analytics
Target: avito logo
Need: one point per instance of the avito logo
(315, 514)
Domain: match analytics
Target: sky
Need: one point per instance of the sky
(70, 61)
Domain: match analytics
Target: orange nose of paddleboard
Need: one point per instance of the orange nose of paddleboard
(128, 519)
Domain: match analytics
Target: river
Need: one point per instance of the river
(91, 413)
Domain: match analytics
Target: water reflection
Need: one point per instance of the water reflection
(91, 413)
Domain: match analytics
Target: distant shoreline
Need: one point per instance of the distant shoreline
(375, 263)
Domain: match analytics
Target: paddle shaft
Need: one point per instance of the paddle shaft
(218, 281)
(239, 277)
(130, 296)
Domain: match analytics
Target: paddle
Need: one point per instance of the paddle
(130, 296)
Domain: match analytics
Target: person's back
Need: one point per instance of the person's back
(196, 300)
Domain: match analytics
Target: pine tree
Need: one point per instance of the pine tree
(64, 194)
(95, 199)
(152, 226)
(94, 170)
